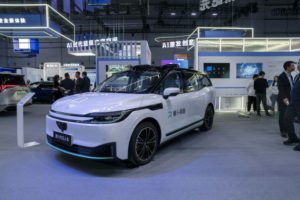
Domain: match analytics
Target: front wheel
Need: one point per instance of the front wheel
(208, 119)
(143, 144)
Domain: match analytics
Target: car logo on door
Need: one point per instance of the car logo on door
(62, 126)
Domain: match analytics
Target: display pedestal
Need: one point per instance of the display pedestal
(20, 122)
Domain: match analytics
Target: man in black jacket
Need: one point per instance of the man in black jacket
(67, 85)
(86, 83)
(78, 83)
(260, 87)
(285, 84)
(295, 101)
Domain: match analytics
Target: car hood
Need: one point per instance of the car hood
(91, 102)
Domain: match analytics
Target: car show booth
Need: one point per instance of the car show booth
(231, 56)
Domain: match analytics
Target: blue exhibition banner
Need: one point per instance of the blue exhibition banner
(22, 20)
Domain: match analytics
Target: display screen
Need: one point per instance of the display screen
(26, 45)
(182, 63)
(180, 57)
(217, 70)
(247, 70)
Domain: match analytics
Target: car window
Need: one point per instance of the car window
(190, 81)
(206, 82)
(8, 79)
(172, 80)
(34, 85)
(46, 86)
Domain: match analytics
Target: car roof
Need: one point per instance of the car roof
(164, 68)
(42, 82)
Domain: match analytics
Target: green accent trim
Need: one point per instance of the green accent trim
(78, 155)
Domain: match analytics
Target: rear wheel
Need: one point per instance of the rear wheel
(208, 119)
(143, 144)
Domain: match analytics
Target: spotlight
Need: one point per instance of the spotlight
(173, 13)
(215, 14)
(193, 14)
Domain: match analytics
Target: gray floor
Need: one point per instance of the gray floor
(239, 159)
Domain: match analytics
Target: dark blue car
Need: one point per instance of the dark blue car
(44, 92)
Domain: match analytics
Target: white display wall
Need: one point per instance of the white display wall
(232, 86)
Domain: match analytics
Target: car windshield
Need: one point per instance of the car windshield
(8, 79)
(130, 82)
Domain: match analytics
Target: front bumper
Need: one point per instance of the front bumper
(94, 141)
(102, 152)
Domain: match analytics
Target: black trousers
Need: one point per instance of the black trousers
(251, 102)
(281, 109)
(261, 98)
(289, 119)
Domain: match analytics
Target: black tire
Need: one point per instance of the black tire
(143, 144)
(208, 119)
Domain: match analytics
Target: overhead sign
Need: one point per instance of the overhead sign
(34, 21)
(90, 43)
(208, 4)
(12, 20)
(177, 43)
(22, 20)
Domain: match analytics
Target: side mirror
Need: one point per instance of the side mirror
(168, 92)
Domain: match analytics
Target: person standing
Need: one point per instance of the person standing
(274, 92)
(293, 110)
(67, 85)
(86, 82)
(260, 87)
(78, 83)
(56, 88)
(251, 94)
(285, 84)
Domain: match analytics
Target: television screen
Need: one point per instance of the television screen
(247, 70)
(26, 45)
(182, 63)
(217, 70)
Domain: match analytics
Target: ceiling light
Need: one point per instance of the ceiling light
(215, 14)
(173, 13)
(193, 14)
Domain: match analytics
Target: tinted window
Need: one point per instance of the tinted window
(130, 82)
(191, 83)
(7, 79)
(206, 82)
(46, 86)
(172, 80)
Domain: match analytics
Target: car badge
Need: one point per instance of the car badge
(62, 126)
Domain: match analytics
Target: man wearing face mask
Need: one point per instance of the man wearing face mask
(285, 85)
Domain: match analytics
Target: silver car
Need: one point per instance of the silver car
(12, 90)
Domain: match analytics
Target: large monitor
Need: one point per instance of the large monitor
(217, 70)
(26, 45)
(247, 70)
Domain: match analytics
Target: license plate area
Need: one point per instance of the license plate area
(62, 138)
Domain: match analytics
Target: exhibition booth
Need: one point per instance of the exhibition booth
(231, 56)
(112, 55)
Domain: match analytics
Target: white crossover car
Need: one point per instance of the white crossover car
(131, 113)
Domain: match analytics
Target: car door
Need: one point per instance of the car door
(206, 93)
(174, 106)
(194, 96)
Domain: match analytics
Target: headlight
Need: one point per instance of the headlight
(106, 118)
